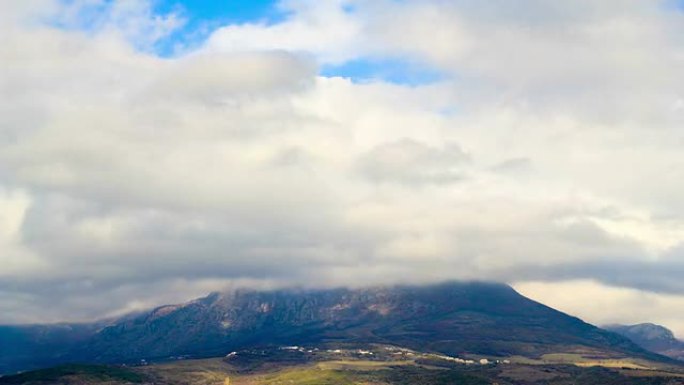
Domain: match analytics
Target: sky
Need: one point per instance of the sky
(154, 151)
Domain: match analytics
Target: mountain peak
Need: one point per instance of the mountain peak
(653, 331)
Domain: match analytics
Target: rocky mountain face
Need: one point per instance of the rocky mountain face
(452, 318)
(652, 337)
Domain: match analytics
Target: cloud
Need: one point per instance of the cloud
(548, 151)
(411, 162)
(327, 30)
(16, 258)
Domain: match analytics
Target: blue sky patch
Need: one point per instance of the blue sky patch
(389, 70)
(228, 11)
(676, 5)
(204, 16)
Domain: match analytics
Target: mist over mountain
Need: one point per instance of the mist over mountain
(449, 318)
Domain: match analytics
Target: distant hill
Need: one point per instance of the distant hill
(450, 318)
(35, 346)
(652, 337)
(77, 374)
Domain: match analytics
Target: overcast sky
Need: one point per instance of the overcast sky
(152, 152)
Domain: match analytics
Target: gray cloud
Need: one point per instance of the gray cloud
(412, 162)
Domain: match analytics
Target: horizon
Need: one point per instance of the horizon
(154, 151)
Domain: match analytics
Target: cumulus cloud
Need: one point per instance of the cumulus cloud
(549, 151)
(326, 29)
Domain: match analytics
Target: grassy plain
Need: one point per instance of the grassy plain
(384, 366)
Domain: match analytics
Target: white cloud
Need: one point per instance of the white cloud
(326, 29)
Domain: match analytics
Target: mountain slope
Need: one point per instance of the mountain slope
(452, 318)
(652, 337)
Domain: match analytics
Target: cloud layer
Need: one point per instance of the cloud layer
(548, 151)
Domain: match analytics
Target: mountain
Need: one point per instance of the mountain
(652, 337)
(451, 318)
